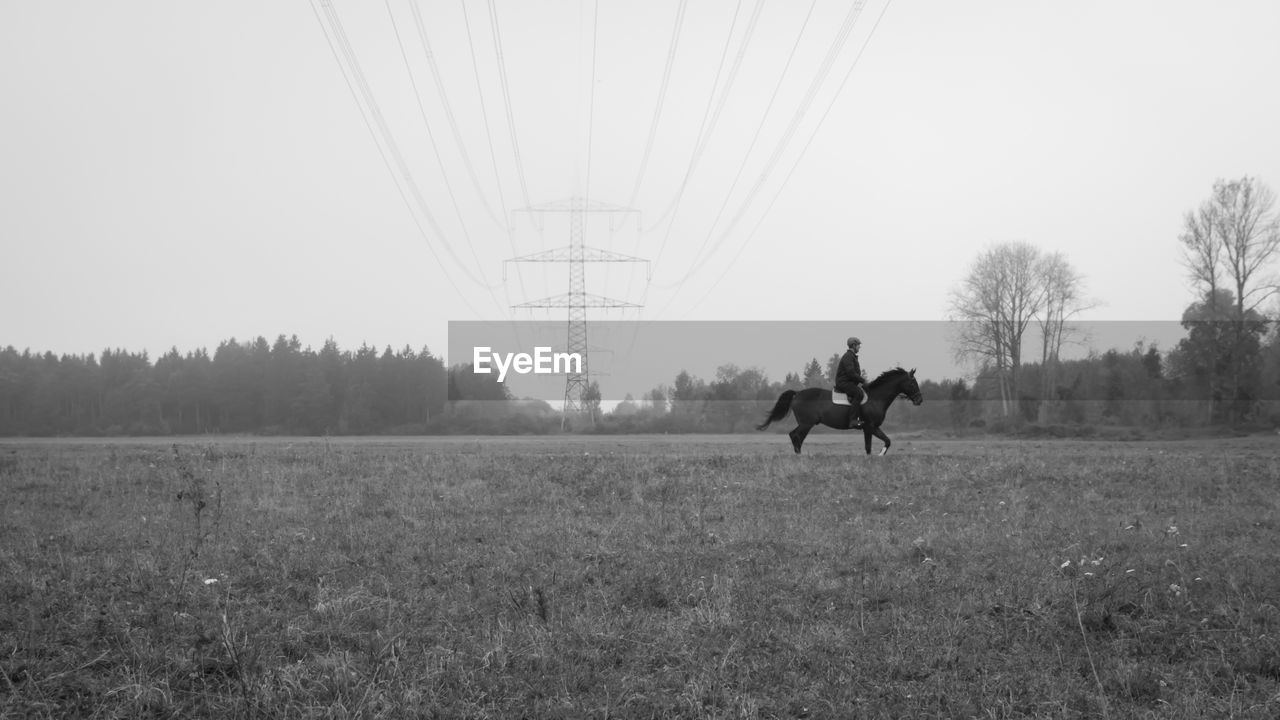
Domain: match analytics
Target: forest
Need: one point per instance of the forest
(282, 388)
(250, 387)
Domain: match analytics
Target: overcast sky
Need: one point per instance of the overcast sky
(179, 173)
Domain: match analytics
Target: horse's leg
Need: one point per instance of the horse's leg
(798, 436)
(885, 438)
(867, 430)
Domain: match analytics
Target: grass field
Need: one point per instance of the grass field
(639, 577)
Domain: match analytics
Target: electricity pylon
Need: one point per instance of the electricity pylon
(577, 300)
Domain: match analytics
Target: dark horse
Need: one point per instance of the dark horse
(813, 406)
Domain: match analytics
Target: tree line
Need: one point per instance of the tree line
(1140, 387)
(258, 387)
(242, 387)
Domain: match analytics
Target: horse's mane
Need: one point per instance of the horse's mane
(887, 375)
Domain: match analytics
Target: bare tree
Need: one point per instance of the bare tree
(1229, 244)
(1202, 249)
(1063, 300)
(1230, 240)
(1250, 232)
(994, 304)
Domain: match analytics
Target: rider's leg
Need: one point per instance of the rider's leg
(855, 399)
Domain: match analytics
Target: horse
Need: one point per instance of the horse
(813, 405)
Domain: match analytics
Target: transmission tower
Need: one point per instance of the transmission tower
(577, 300)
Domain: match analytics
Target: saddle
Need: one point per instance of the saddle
(839, 398)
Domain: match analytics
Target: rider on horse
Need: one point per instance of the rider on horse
(849, 380)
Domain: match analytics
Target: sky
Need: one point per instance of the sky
(175, 174)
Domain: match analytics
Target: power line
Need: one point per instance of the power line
(484, 113)
(591, 93)
(448, 109)
(698, 139)
(839, 89)
(496, 31)
(662, 99)
(724, 97)
(591, 114)
(759, 129)
(388, 149)
(819, 79)
(493, 155)
(435, 147)
(365, 116)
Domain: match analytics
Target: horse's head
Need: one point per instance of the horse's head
(899, 382)
(909, 387)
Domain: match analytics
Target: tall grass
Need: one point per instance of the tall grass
(1067, 580)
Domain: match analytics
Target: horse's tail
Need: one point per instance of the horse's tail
(780, 410)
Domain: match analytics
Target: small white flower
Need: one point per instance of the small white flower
(1182, 545)
(1126, 572)
(1088, 574)
(1066, 564)
(1175, 588)
(210, 581)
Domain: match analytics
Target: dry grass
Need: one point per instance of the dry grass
(570, 579)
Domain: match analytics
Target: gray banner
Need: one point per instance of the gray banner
(633, 357)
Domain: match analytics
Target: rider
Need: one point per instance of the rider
(849, 380)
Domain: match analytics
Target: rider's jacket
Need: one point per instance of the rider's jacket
(849, 373)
